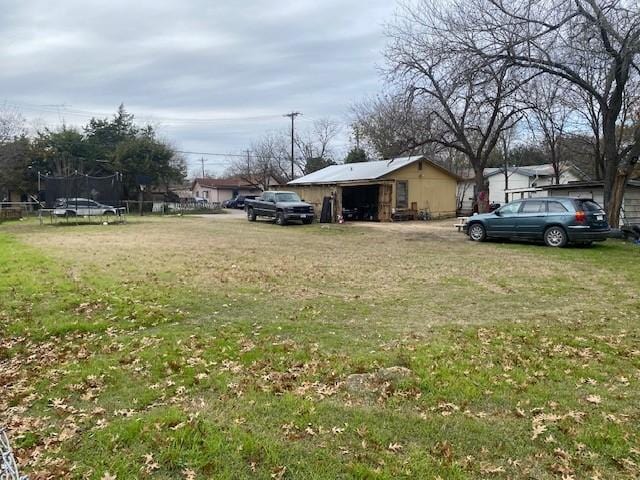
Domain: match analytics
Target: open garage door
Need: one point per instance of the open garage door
(361, 203)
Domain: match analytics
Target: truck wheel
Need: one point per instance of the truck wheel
(280, 220)
(251, 216)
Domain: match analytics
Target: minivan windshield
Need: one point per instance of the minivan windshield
(287, 197)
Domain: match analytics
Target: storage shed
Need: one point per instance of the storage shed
(381, 190)
(630, 212)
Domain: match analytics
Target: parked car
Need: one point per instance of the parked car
(81, 207)
(283, 206)
(555, 220)
(239, 201)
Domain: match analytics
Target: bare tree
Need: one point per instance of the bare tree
(568, 39)
(548, 117)
(468, 108)
(507, 138)
(267, 161)
(316, 143)
(12, 124)
(388, 125)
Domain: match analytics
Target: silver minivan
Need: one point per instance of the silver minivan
(81, 207)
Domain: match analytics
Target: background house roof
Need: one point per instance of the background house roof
(353, 172)
(232, 182)
(544, 170)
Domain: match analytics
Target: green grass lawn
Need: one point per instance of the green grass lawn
(201, 348)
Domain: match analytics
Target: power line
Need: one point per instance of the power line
(65, 109)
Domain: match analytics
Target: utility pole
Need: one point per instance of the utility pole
(202, 161)
(293, 116)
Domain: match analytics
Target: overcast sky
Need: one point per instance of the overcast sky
(213, 75)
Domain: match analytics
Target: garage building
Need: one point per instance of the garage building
(630, 210)
(381, 190)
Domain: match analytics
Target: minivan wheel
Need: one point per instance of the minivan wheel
(555, 237)
(477, 232)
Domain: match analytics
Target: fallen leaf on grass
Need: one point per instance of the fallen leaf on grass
(491, 469)
(538, 429)
(395, 447)
(189, 474)
(595, 399)
(278, 473)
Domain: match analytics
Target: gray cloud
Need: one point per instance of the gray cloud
(178, 64)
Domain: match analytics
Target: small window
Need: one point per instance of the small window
(556, 207)
(420, 165)
(510, 208)
(535, 206)
(402, 194)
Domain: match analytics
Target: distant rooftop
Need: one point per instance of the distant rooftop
(544, 170)
(232, 182)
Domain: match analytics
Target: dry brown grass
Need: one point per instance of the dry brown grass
(427, 270)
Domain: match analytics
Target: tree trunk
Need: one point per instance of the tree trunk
(611, 162)
(482, 191)
(556, 165)
(506, 183)
(623, 173)
(598, 160)
(616, 197)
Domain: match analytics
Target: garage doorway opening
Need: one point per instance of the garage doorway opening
(360, 203)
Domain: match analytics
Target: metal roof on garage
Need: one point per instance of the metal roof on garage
(354, 172)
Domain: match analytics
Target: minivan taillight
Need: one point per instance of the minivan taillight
(580, 216)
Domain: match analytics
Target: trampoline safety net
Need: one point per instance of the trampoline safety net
(104, 190)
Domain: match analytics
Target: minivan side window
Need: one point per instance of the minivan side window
(511, 208)
(556, 207)
(535, 206)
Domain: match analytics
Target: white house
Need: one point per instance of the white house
(525, 177)
(217, 190)
(522, 180)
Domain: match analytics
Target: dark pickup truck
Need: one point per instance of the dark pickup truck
(283, 206)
